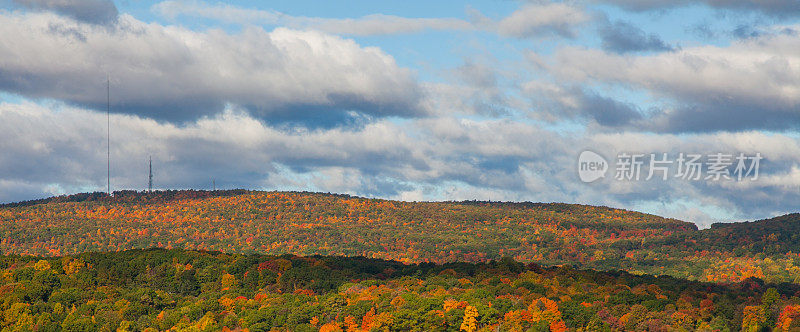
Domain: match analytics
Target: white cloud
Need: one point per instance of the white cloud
(375, 24)
(532, 20)
(756, 69)
(168, 72)
(535, 20)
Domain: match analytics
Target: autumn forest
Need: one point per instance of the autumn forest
(264, 261)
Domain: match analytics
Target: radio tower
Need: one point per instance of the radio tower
(108, 133)
(150, 183)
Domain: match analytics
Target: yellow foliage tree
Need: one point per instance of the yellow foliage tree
(470, 323)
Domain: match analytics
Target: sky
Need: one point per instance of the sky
(410, 100)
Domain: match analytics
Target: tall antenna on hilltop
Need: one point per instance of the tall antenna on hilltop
(213, 185)
(108, 133)
(150, 183)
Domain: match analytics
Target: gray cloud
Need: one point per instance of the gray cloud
(702, 30)
(607, 111)
(622, 37)
(68, 145)
(746, 31)
(170, 73)
(722, 116)
(556, 103)
(481, 84)
(777, 8)
(751, 84)
(101, 12)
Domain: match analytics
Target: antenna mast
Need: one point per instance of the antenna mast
(108, 133)
(150, 184)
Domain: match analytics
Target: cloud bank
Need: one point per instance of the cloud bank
(751, 84)
(57, 149)
(171, 73)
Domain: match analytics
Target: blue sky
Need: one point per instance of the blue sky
(411, 100)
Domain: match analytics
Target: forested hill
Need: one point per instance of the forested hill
(778, 235)
(160, 290)
(569, 212)
(314, 223)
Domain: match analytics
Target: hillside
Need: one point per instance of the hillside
(326, 224)
(768, 249)
(775, 235)
(156, 289)
(314, 223)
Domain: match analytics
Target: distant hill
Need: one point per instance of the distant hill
(776, 223)
(305, 223)
(778, 235)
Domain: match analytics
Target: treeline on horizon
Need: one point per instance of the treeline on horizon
(161, 196)
(128, 196)
(179, 290)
